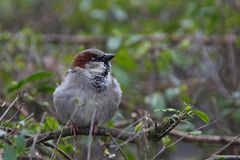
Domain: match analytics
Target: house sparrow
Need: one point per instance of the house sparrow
(89, 83)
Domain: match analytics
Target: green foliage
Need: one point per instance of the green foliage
(156, 101)
(159, 59)
(138, 127)
(19, 144)
(11, 152)
(50, 124)
(203, 116)
(34, 77)
(166, 140)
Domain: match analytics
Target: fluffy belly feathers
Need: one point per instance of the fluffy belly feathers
(83, 103)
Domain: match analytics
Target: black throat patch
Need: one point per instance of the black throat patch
(99, 81)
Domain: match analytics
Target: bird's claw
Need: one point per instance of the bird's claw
(74, 130)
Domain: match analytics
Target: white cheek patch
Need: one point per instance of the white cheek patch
(95, 67)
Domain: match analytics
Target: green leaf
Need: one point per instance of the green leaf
(167, 110)
(203, 116)
(46, 89)
(50, 124)
(37, 76)
(166, 140)
(138, 127)
(9, 153)
(34, 77)
(20, 144)
(66, 147)
(196, 133)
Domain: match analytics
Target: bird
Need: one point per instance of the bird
(88, 91)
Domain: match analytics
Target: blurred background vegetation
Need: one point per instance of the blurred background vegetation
(169, 53)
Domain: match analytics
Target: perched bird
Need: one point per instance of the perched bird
(88, 89)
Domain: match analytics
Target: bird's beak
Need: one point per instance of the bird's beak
(107, 57)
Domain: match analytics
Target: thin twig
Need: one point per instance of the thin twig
(81, 131)
(214, 74)
(120, 149)
(9, 107)
(178, 140)
(82, 39)
(90, 134)
(133, 135)
(226, 146)
(163, 149)
(224, 157)
(19, 108)
(35, 137)
(70, 119)
(64, 154)
(9, 130)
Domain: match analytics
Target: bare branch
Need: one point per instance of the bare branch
(65, 155)
(205, 138)
(82, 39)
(225, 157)
(81, 131)
(9, 107)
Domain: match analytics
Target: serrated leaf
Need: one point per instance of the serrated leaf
(166, 140)
(203, 116)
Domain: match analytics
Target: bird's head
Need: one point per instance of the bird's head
(93, 61)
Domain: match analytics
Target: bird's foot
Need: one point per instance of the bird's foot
(95, 129)
(74, 130)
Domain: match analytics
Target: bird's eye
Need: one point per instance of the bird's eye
(98, 58)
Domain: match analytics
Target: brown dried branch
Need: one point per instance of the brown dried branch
(80, 39)
(204, 138)
(81, 131)
(225, 157)
(156, 132)
(57, 38)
